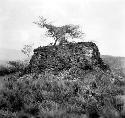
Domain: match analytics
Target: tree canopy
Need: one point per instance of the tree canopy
(59, 33)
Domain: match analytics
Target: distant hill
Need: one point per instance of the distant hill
(10, 54)
(116, 63)
(113, 61)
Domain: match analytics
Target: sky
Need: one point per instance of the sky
(102, 21)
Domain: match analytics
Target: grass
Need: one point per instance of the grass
(64, 95)
(57, 96)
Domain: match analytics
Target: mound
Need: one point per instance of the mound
(83, 55)
(65, 81)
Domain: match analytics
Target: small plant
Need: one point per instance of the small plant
(27, 50)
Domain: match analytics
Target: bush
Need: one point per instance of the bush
(13, 67)
(62, 95)
(6, 70)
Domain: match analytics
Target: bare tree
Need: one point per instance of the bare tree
(27, 49)
(59, 33)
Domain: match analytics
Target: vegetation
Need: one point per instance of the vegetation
(13, 67)
(61, 96)
(116, 64)
(69, 82)
(59, 33)
(27, 49)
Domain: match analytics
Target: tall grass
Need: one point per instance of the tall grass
(59, 96)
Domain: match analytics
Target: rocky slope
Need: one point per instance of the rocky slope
(73, 75)
(83, 55)
(64, 81)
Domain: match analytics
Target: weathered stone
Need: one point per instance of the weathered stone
(84, 55)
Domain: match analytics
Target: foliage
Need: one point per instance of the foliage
(59, 33)
(13, 67)
(59, 96)
(18, 65)
(27, 50)
(67, 81)
(72, 92)
(5, 70)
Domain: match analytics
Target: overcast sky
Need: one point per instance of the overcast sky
(101, 20)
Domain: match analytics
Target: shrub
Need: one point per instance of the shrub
(54, 96)
(13, 67)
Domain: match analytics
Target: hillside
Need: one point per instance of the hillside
(117, 64)
(114, 62)
(68, 80)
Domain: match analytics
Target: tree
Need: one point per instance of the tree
(59, 33)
